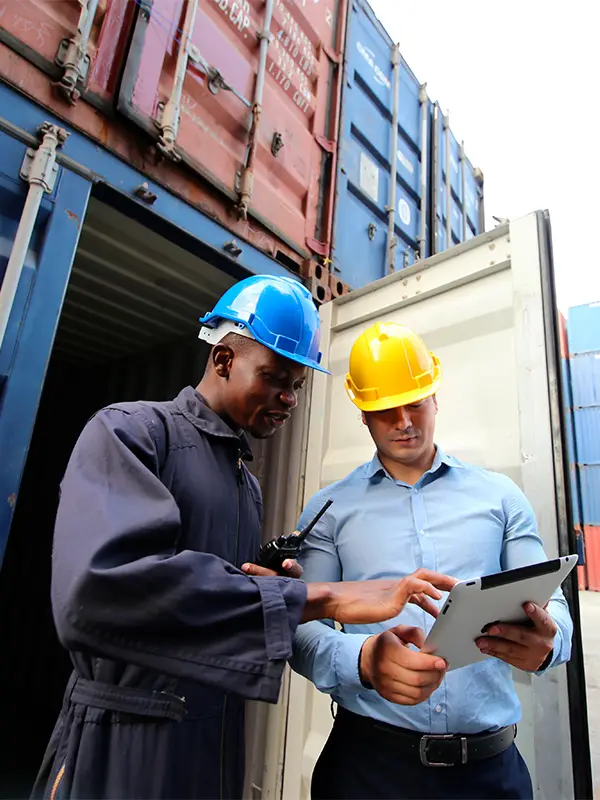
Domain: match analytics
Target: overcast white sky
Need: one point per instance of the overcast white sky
(520, 79)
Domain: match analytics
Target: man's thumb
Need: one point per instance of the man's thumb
(409, 635)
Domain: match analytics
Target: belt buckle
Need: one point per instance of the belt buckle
(435, 737)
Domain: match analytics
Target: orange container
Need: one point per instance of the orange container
(591, 538)
(562, 332)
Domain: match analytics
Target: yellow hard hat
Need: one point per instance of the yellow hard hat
(389, 367)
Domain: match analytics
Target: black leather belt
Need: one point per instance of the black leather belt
(433, 750)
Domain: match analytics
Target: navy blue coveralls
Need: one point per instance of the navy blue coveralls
(166, 635)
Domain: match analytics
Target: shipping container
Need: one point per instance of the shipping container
(457, 199)
(582, 578)
(587, 435)
(233, 106)
(563, 336)
(591, 535)
(585, 379)
(105, 308)
(589, 478)
(395, 152)
(584, 328)
(515, 411)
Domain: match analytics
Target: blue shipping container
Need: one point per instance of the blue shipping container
(584, 328)
(575, 495)
(590, 494)
(463, 193)
(366, 194)
(587, 436)
(585, 379)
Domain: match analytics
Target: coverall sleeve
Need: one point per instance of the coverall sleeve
(326, 656)
(523, 546)
(121, 588)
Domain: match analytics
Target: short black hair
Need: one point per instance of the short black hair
(239, 344)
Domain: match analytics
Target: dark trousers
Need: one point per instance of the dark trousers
(358, 766)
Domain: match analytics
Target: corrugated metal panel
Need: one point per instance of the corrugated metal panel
(199, 107)
(360, 251)
(575, 495)
(565, 366)
(364, 169)
(587, 434)
(589, 476)
(591, 535)
(461, 197)
(585, 379)
(584, 328)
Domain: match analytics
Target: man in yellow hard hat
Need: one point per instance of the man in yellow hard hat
(400, 716)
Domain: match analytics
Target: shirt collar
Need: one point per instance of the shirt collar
(195, 408)
(375, 467)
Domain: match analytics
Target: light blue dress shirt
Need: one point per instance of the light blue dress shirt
(458, 519)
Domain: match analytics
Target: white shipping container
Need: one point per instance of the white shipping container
(487, 311)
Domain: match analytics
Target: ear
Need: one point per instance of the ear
(363, 416)
(435, 403)
(222, 360)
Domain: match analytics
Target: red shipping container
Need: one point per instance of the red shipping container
(188, 74)
(591, 538)
(582, 581)
(562, 332)
(193, 79)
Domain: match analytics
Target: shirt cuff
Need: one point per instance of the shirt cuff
(280, 621)
(551, 657)
(346, 661)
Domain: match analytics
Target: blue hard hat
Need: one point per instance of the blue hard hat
(278, 312)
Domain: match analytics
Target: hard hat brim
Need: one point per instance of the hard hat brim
(394, 401)
(295, 357)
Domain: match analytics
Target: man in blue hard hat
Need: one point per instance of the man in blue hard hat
(169, 625)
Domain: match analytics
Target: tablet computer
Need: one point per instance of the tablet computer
(474, 605)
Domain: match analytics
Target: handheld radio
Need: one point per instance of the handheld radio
(272, 554)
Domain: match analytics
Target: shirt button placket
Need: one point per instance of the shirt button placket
(420, 520)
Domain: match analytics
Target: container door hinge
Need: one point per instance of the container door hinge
(327, 144)
(73, 58)
(76, 65)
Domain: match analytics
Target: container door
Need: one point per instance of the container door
(457, 207)
(196, 69)
(36, 308)
(367, 166)
(487, 309)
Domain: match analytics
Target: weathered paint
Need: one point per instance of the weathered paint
(29, 41)
(292, 192)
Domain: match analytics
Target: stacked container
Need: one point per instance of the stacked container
(584, 369)
(568, 414)
(405, 188)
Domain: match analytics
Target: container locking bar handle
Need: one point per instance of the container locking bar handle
(39, 170)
